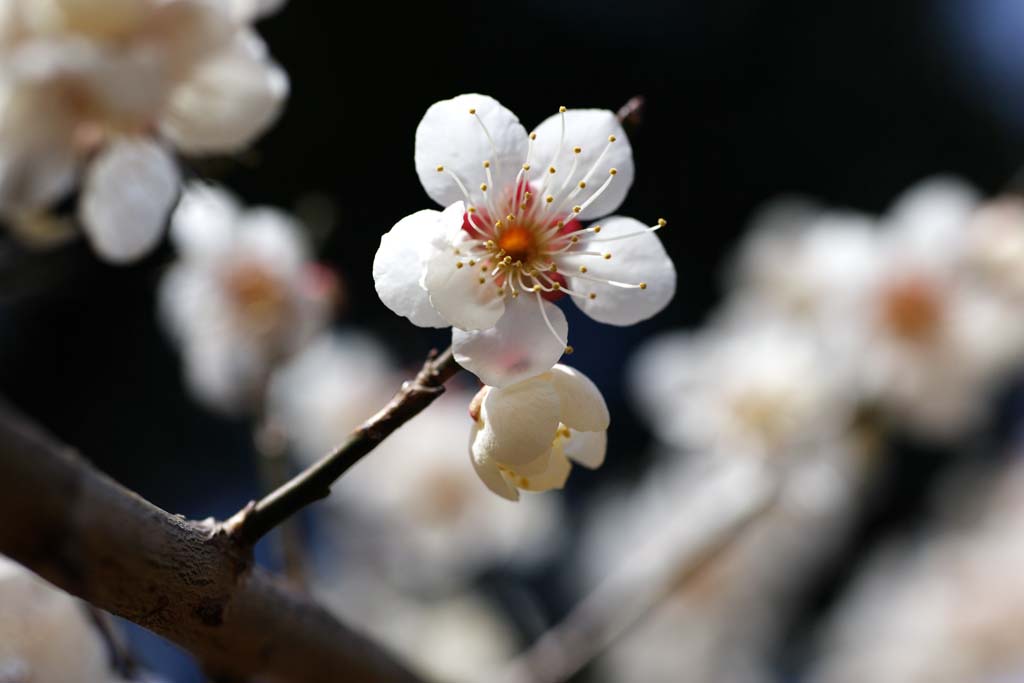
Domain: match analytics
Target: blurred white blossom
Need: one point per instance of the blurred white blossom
(899, 304)
(743, 388)
(946, 608)
(415, 507)
(724, 622)
(97, 95)
(525, 435)
(510, 239)
(457, 637)
(243, 296)
(45, 634)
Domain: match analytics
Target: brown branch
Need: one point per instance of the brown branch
(184, 580)
(253, 521)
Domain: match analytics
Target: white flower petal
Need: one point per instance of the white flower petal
(273, 237)
(635, 260)
(583, 406)
(399, 263)
(520, 346)
(586, 448)
(248, 11)
(588, 129)
(451, 137)
(230, 99)
(461, 293)
(128, 191)
(204, 220)
(552, 476)
(488, 471)
(37, 162)
(520, 421)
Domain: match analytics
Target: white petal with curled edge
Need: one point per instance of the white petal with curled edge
(204, 220)
(461, 293)
(634, 260)
(449, 136)
(488, 471)
(247, 11)
(127, 194)
(583, 406)
(520, 421)
(399, 264)
(588, 129)
(586, 448)
(230, 99)
(553, 476)
(520, 346)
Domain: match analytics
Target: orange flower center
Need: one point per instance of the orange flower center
(912, 309)
(518, 242)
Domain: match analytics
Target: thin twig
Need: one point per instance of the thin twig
(257, 518)
(721, 510)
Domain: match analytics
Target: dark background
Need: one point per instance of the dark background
(849, 102)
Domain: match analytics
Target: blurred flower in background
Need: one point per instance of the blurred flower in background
(244, 296)
(96, 97)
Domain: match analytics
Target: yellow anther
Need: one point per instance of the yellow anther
(555, 286)
(583, 269)
(515, 295)
(611, 138)
(552, 170)
(574, 239)
(471, 210)
(456, 250)
(583, 184)
(440, 169)
(472, 110)
(577, 209)
(533, 136)
(577, 150)
(607, 255)
(553, 267)
(643, 285)
(568, 350)
(510, 218)
(459, 264)
(662, 222)
(489, 244)
(613, 171)
(472, 262)
(562, 110)
(498, 224)
(483, 187)
(596, 228)
(535, 288)
(526, 167)
(593, 296)
(483, 280)
(487, 164)
(549, 199)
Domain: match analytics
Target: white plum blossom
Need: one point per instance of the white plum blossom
(742, 388)
(906, 305)
(510, 238)
(97, 95)
(928, 340)
(415, 511)
(725, 622)
(243, 296)
(45, 634)
(526, 436)
(938, 608)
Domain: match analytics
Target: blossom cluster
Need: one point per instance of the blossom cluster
(97, 97)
